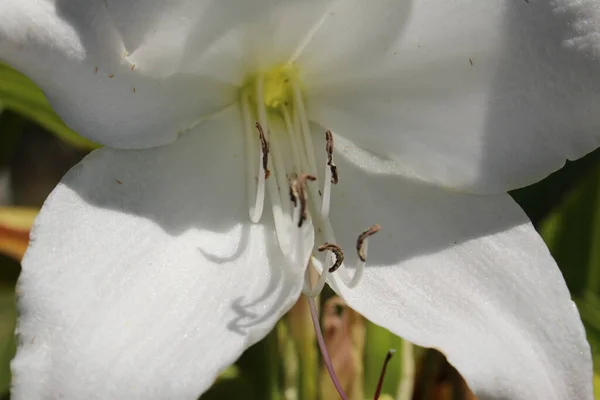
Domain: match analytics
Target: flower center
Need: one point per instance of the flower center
(281, 166)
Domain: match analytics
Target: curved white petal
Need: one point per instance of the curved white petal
(74, 52)
(479, 96)
(468, 275)
(144, 277)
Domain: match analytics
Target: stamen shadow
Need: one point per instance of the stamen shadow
(243, 306)
(239, 249)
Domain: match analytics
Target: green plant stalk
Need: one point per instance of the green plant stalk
(377, 343)
(302, 332)
(407, 379)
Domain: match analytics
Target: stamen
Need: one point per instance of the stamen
(281, 225)
(280, 190)
(256, 209)
(330, 163)
(339, 254)
(292, 137)
(331, 175)
(294, 189)
(388, 357)
(298, 190)
(361, 247)
(264, 145)
(304, 127)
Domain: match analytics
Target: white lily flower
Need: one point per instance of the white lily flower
(151, 270)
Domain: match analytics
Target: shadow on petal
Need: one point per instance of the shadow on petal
(544, 99)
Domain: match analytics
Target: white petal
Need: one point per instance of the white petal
(144, 278)
(225, 39)
(232, 38)
(585, 28)
(74, 52)
(479, 96)
(350, 38)
(468, 275)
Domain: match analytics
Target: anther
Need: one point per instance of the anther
(337, 251)
(264, 144)
(293, 180)
(331, 176)
(330, 163)
(361, 240)
(298, 194)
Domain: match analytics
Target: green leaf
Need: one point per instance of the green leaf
(19, 94)
(572, 232)
(541, 198)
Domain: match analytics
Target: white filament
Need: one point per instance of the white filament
(255, 179)
(326, 193)
(281, 224)
(318, 288)
(301, 113)
(292, 138)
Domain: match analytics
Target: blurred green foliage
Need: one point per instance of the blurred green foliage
(9, 270)
(572, 232)
(19, 94)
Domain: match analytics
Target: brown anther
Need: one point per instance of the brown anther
(264, 144)
(298, 194)
(329, 150)
(293, 180)
(361, 240)
(111, 76)
(337, 251)
(132, 67)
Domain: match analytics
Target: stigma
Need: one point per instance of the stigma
(282, 170)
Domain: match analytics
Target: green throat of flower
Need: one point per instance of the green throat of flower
(277, 86)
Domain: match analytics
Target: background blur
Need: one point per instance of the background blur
(36, 149)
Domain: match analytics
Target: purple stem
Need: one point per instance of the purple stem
(321, 341)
